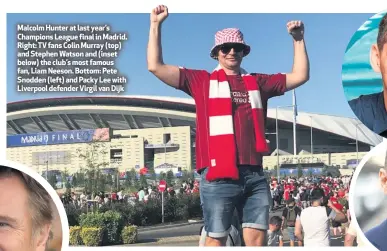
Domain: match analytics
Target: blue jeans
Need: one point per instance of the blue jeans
(249, 195)
(291, 234)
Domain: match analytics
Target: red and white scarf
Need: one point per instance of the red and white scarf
(223, 154)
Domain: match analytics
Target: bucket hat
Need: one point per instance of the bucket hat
(229, 35)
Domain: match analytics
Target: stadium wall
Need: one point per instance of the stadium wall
(329, 159)
(323, 142)
(130, 142)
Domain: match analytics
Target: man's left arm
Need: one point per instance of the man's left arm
(300, 70)
(298, 229)
(336, 214)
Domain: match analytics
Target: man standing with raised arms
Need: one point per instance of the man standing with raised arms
(230, 119)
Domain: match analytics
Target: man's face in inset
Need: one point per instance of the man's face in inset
(16, 225)
(383, 179)
(379, 62)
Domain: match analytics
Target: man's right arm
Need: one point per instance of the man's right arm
(169, 74)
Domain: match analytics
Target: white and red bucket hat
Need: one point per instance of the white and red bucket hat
(228, 35)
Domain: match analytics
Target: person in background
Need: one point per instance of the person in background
(182, 188)
(106, 199)
(315, 220)
(274, 234)
(114, 196)
(83, 197)
(120, 195)
(74, 199)
(277, 197)
(272, 204)
(141, 194)
(286, 193)
(280, 192)
(337, 229)
(304, 197)
(172, 192)
(146, 196)
(289, 216)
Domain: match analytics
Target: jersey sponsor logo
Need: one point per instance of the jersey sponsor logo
(240, 97)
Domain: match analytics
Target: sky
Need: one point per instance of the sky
(188, 38)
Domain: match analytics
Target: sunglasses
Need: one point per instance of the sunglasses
(226, 48)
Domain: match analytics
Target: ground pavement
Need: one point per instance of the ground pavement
(185, 234)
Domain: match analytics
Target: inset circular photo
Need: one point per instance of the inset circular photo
(32, 217)
(368, 198)
(364, 73)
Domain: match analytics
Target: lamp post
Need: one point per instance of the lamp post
(294, 123)
(277, 137)
(45, 140)
(311, 136)
(357, 145)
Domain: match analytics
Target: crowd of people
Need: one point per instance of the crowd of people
(313, 206)
(310, 209)
(300, 189)
(300, 200)
(143, 194)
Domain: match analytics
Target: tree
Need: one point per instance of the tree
(170, 178)
(132, 176)
(186, 175)
(74, 181)
(162, 176)
(137, 183)
(79, 179)
(333, 171)
(52, 180)
(88, 184)
(143, 181)
(128, 179)
(93, 156)
(299, 171)
(103, 181)
(275, 170)
(152, 173)
(116, 182)
(324, 171)
(65, 181)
